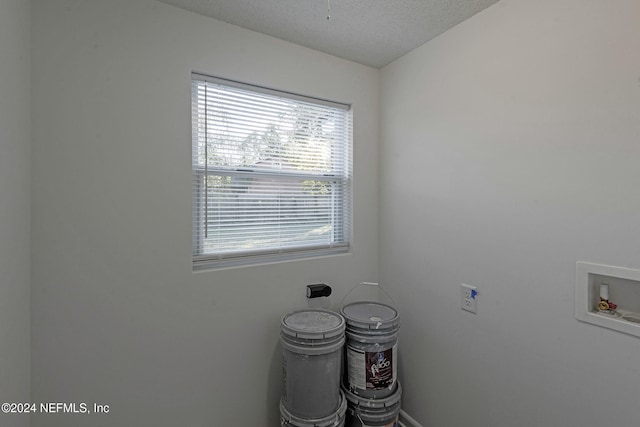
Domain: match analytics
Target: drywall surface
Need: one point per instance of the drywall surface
(510, 149)
(119, 318)
(15, 142)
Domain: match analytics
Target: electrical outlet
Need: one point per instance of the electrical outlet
(469, 298)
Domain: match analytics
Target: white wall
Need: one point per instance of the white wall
(118, 316)
(15, 141)
(510, 150)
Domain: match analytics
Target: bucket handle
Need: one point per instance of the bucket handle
(369, 284)
(358, 411)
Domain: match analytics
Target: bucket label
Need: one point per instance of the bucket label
(371, 370)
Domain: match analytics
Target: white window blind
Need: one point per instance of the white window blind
(271, 174)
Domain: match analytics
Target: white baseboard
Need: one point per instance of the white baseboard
(407, 421)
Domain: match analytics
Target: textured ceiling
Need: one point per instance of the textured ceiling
(371, 32)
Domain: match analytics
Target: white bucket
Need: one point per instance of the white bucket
(363, 412)
(312, 342)
(371, 352)
(336, 419)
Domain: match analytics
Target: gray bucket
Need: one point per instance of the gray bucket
(363, 412)
(336, 419)
(371, 368)
(312, 342)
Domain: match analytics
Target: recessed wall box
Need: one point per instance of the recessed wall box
(608, 296)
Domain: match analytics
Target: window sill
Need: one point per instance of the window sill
(253, 258)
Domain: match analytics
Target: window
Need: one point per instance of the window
(271, 174)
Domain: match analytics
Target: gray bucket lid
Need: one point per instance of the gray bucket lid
(333, 420)
(379, 403)
(371, 315)
(312, 324)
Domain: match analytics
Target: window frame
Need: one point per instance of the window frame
(201, 260)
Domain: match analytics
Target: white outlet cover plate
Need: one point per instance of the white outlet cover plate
(469, 298)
